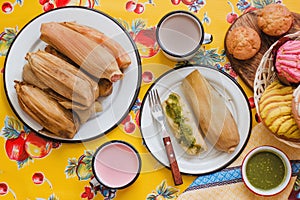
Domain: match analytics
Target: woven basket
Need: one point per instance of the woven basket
(265, 75)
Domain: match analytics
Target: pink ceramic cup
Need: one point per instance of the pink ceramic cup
(116, 165)
(180, 34)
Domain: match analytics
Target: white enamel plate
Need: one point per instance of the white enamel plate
(125, 92)
(212, 159)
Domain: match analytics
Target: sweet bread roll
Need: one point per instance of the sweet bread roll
(275, 107)
(243, 42)
(275, 19)
(287, 62)
(296, 105)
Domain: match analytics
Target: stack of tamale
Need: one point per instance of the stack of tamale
(62, 83)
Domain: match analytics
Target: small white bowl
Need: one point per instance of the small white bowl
(285, 180)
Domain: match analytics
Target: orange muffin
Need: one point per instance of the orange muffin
(275, 19)
(243, 42)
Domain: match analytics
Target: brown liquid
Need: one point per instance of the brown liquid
(180, 34)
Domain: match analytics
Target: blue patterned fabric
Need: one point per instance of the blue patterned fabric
(228, 176)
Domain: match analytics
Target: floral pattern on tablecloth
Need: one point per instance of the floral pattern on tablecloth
(163, 191)
(81, 169)
(8, 7)
(24, 149)
(23, 145)
(6, 38)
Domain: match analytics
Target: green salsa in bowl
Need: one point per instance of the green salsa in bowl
(266, 170)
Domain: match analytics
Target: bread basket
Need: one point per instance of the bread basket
(265, 75)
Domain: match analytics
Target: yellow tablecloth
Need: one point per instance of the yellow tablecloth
(63, 171)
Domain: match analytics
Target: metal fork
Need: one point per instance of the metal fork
(158, 115)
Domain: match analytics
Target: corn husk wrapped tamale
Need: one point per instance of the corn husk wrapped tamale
(105, 86)
(63, 78)
(90, 56)
(46, 111)
(29, 77)
(53, 51)
(113, 46)
(83, 113)
(215, 119)
(67, 103)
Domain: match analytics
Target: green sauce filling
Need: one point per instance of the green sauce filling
(265, 170)
(174, 111)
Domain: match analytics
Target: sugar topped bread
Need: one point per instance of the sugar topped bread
(274, 19)
(243, 42)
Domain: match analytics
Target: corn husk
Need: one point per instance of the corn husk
(105, 86)
(113, 46)
(63, 78)
(83, 113)
(55, 52)
(209, 107)
(67, 103)
(46, 111)
(89, 55)
(29, 77)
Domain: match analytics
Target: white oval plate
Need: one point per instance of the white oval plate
(212, 159)
(125, 92)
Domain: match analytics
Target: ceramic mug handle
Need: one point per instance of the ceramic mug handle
(208, 38)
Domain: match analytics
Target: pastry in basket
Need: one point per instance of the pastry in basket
(183, 125)
(243, 42)
(274, 19)
(287, 62)
(296, 105)
(275, 108)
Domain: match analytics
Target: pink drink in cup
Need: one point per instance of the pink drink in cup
(116, 164)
